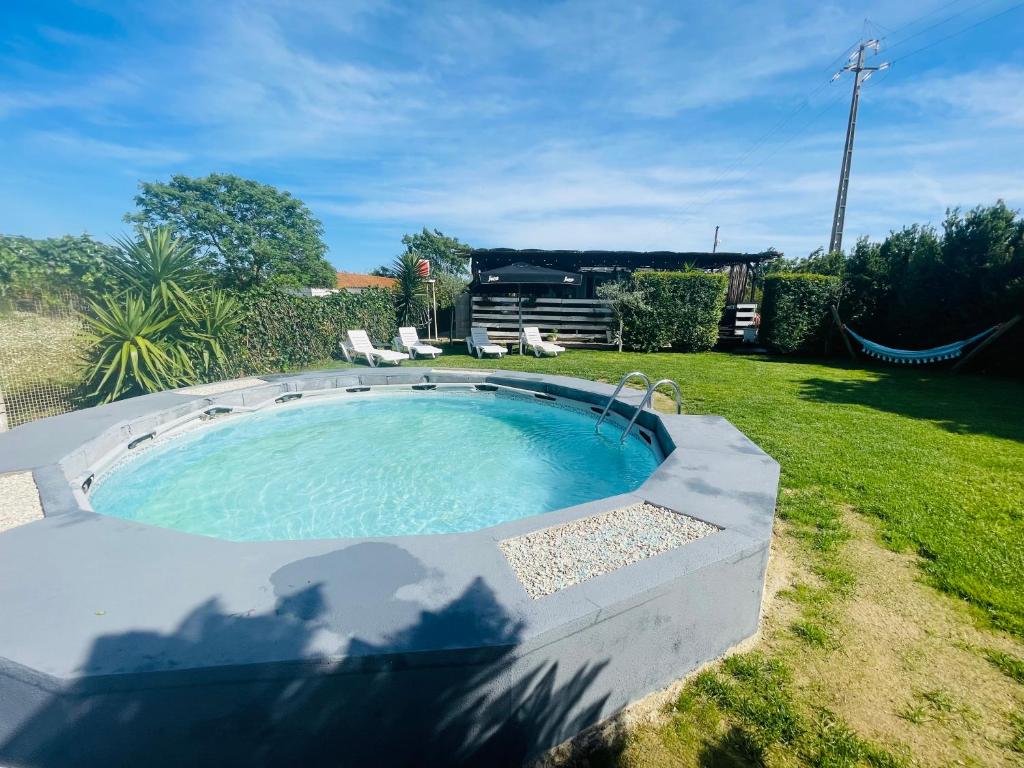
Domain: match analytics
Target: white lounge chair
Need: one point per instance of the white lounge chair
(480, 344)
(408, 340)
(359, 345)
(532, 340)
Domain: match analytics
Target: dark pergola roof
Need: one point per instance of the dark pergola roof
(574, 261)
(528, 274)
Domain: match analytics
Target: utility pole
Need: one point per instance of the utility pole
(860, 74)
(714, 247)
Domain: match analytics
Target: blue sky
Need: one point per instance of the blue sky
(588, 124)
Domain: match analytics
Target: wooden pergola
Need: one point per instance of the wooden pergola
(597, 266)
(574, 312)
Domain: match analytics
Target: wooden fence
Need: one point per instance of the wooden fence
(577, 321)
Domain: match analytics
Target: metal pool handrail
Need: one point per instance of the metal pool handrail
(622, 383)
(648, 398)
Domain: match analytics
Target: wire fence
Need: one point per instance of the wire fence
(41, 343)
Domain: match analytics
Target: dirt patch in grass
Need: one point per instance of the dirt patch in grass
(911, 667)
(910, 671)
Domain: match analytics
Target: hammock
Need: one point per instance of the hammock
(933, 355)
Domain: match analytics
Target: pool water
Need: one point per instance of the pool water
(375, 465)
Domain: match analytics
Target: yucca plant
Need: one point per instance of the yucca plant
(410, 289)
(159, 264)
(135, 347)
(212, 319)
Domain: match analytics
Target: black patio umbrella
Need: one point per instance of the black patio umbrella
(521, 274)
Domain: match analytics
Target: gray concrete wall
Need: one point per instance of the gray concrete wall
(127, 644)
(450, 708)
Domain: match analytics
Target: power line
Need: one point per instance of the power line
(778, 125)
(839, 217)
(958, 32)
(937, 24)
(922, 17)
(707, 201)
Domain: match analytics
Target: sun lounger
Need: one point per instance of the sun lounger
(359, 345)
(408, 340)
(480, 344)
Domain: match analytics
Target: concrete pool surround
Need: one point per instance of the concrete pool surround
(126, 643)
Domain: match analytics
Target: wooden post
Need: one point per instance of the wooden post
(1000, 330)
(842, 332)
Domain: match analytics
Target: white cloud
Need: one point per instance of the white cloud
(583, 123)
(992, 95)
(82, 147)
(64, 92)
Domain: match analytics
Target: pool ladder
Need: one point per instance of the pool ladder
(647, 399)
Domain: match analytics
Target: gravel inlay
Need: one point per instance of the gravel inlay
(222, 386)
(19, 500)
(555, 558)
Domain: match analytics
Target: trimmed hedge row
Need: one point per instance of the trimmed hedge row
(795, 311)
(281, 331)
(678, 309)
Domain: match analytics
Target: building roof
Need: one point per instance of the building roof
(356, 280)
(574, 261)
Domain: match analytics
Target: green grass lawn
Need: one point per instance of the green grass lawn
(938, 462)
(939, 459)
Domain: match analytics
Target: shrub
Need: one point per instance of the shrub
(624, 298)
(678, 309)
(162, 333)
(281, 330)
(56, 266)
(136, 346)
(796, 310)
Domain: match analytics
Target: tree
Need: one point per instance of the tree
(410, 290)
(445, 254)
(817, 262)
(79, 265)
(253, 232)
(624, 298)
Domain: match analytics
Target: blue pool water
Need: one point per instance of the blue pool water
(375, 465)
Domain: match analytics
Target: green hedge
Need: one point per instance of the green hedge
(282, 331)
(679, 309)
(795, 311)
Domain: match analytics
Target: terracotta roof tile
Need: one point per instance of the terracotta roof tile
(356, 280)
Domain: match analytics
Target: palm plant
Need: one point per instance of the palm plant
(160, 264)
(212, 318)
(410, 289)
(134, 348)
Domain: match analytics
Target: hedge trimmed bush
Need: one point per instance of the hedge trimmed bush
(679, 309)
(281, 331)
(795, 311)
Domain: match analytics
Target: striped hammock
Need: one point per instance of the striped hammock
(933, 355)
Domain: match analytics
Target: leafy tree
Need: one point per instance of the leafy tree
(981, 277)
(625, 299)
(410, 290)
(75, 264)
(817, 262)
(447, 288)
(445, 254)
(253, 232)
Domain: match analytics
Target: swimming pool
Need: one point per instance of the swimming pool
(376, 465)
